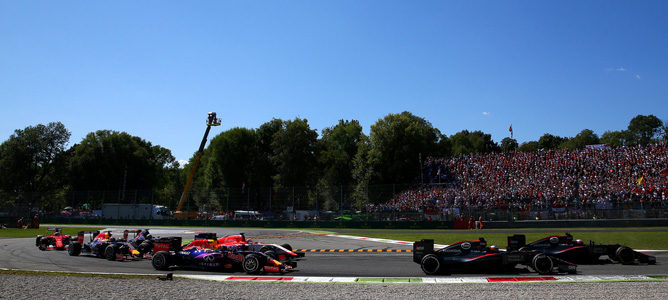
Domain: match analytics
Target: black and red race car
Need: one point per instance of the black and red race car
(475, 256)
(55, 240)
(169, 253)
(563, 246)
(101, 244)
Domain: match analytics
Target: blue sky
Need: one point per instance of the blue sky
(155, 68)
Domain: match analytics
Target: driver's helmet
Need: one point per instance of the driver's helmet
(107, 235)
(494, 248)
(144, 232)
(57, 234)
(579, 242)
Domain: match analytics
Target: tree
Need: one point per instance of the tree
(465, 142)
(339, 147)
(548, 141)
(294, 154)
(531, 146)
(234, 155)
(27, 157)
(397, 141)
(111, 160)
(644, 129)
(616, 138)
(584, 138)
(508, 144)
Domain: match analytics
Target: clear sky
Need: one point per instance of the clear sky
(155, 68)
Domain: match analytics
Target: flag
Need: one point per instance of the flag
(640, 180)
(664, 172)
(511, 130)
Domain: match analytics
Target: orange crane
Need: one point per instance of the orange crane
(211, 120)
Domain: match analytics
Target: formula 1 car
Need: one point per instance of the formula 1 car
(222, 258)
(564, 247)
(467, 256)
(56, 240)
(282, 253)
(142, 241)
(103, 246)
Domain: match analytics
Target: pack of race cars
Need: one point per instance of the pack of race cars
(552, 254)
(205, 251)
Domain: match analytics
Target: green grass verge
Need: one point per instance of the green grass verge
(636, 240)
(21, 233)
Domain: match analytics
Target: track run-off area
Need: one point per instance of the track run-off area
(329, 258)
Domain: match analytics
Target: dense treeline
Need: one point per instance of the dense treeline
(278, 154)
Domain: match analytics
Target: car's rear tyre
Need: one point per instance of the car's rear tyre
(37, 240)
(110, 252)
(144, 247)
(287, 246)
(624, 255)
(430, 264)
(74, 249)
(252, 264)
(161, 260)
(542, 264)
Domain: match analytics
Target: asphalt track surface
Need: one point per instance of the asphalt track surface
(21, 253)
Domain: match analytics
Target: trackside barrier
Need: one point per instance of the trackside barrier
(363, 225)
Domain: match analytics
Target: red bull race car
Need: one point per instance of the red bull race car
(563, 246)
(198, 255)
(475, 256)
(282, 253)
(103, 245)
(53, 241)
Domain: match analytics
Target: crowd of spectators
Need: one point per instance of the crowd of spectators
(592, 178)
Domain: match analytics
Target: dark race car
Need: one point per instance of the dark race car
(475, 256)
(282, 253)
(142, 241)
(222, 258)
(564, 247)
(55, 240)
(102, 245)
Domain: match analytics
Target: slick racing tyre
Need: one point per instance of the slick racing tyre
(43, 244)
(252, 264)
(160, 261)
(74, 249)
(624, 255)
(430, 264)
(37, 240)
(287, 246)
(110, 252)
(542, 264)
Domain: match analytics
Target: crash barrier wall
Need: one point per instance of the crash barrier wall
(369, 224)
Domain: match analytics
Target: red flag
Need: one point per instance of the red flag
(511, 130)
(664, 172)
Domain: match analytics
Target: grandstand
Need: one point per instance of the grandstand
(584, 183)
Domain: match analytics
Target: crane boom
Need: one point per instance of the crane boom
(210, 121)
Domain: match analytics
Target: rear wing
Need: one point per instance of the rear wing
(55, 229)
(516, 242)
(81, 234)
(172, 243)
(422, 248)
